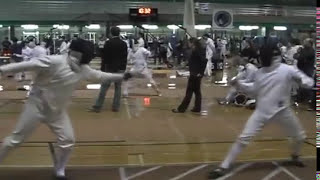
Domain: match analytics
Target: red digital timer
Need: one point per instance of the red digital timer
(144, 11)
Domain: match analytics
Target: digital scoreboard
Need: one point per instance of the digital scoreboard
(143, 14)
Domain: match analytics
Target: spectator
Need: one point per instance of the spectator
(6, 44)
(101, 43)
(197, 65)
(16, 50)
(306, 63)
(114, 60)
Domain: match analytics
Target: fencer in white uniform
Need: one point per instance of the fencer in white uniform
(272, 87)
(26, 56)
(40, 51)
(64, 47)
(288, 56)
(245, 74)
(55, 80)
(210, 49)
(139, 56)
(224, 43)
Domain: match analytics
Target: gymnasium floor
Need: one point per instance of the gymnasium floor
(145, 141)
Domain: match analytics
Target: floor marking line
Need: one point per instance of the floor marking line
(175, 129)
(141, 159)
(235, 171)
(127, 107)
(273, 174)
(189, 172)
(143, 172)
(122, 173)
(286, 171)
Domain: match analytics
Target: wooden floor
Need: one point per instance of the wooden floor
(272, 170)
(146, 137)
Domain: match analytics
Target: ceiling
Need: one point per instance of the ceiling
(116, 10)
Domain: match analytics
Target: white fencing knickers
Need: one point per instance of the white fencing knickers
(36, 110)
(286, 119)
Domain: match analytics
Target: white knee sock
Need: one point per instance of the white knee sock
(62, 157)
(235, 150)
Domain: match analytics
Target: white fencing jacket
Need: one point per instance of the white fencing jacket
(55, 78)
(210, 48)
(139, 58)
(272, 87)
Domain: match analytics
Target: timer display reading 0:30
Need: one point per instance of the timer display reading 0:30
(144, 11)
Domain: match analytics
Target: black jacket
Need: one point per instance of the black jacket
(197, 62)
(306, 60)
(114, 56)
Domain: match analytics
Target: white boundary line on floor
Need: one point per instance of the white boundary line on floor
(189, 172)
(273, 174)
(143, 172)
(122, 173)
(235, 171)
(126, 103)
(175, 129)
(286, 171)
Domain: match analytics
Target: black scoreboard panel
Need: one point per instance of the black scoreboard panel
(143, 14)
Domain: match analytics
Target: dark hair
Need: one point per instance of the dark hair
(24, 43)
(206, 35)
(268, 51)
(115, 31)
(135, 41)
(195, 42)
(295, 41)
(14, 39)
(310, 41)
(84, 47)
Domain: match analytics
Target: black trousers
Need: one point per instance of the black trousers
(194, 86)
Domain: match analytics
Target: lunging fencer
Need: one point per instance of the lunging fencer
(139, 56)
(55, 80)
(272, 89)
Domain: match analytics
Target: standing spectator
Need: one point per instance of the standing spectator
(224, 43)
(197, 65)
(306, 62)
(114, 60)
(249, 51)
(6, 44)
(179, 48)
(163, 50)
(156, 50)
(291, 50)
(210, 50)
(63, 49)
(101, 43)
(16, 50)
(306, 58)
(243, 43)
